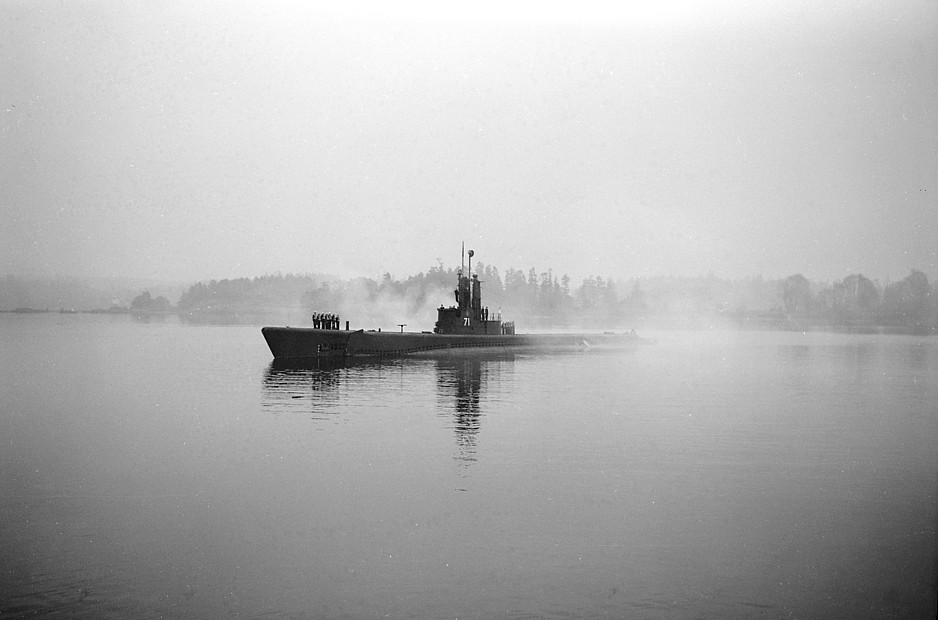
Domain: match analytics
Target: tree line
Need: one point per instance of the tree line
(545, 300)
(857, 300)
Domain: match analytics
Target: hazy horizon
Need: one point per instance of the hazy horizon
(143, 282)
(184, 142)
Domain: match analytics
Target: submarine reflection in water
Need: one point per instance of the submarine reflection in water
(455, 387)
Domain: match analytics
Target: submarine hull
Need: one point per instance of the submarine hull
(299, 343)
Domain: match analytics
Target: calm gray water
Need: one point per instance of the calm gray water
(159, 470)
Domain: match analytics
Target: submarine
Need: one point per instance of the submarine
(465, 327)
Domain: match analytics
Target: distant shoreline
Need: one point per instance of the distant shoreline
(673, 322)
(93, 311)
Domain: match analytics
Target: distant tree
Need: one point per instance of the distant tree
(597, 301)
(548, 298)
(145, 302)
(796, 294)
(389, 286)
(635, 304)
(860, 293)
(831, 301)
(141, 301)
(853, 299)
(908, 302)
(492, 278)
(515, 291)
(321, 299)
(532, 289)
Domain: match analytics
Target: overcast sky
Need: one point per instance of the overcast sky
(198, 140)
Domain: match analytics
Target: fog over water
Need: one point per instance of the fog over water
(187, 141)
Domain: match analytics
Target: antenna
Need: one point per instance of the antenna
(462, 267)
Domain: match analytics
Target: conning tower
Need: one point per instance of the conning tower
(469, 316)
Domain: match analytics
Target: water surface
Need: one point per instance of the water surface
(167, 470)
